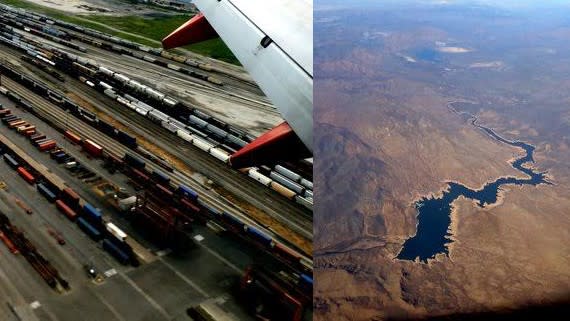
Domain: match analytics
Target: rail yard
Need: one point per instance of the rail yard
(116, 198)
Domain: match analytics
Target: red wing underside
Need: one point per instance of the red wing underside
(279, 144)
(194, 30)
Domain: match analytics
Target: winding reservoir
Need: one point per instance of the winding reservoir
(434, 214)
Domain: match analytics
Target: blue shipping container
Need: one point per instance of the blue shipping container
(92, 213)
(89, 229)
(187, 192)
(258, 235)
(160, 176)
(115, 251)
(233, 220)
(11, 161)
(307, 280)
(49, 195)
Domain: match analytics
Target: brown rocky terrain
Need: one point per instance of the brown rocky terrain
(385, 137)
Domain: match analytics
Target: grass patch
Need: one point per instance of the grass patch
(155, 27)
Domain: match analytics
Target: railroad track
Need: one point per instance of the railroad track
(125, 65)
(62, 119)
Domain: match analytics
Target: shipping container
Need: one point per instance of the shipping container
(92, 214)
(117, 253)
(134, 161)
(189, 206)
(72, 137)
(89, 229)
(37, 137)
(233, 221)
(186, 191)
(47, 145)
(70, 197)
(65, 209)
(17, 123)
(92, 148)
(126, 139)
(259, 236)
(160, 177)
(165, 192)
(11, 161)
(116, 231)
(286, 253)
(46, 192)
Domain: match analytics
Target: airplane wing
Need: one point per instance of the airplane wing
(273, 39)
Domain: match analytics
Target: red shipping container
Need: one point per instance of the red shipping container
(26, 175)
(62, 207)
(47, 145)
(17, 123)
(140, 176)
(5, 112)
(92, 148)
(74, 138)
(190, 206)
(70, 196)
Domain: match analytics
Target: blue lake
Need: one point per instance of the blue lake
(434, 214)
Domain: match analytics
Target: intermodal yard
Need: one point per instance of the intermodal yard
(117, 201)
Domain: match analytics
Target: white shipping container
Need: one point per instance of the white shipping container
(117, 232)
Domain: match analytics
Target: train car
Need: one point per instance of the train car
(89, 229)
(202, 144)
(72, 137)
(70, 197)
(186, 191)
(220, 154)
(288, 173)
(287, 182)
(134, 161)
(254, 173)
(66, 210)
(236, 223)
(258, 236)
(185, 135)
(308, 184)
(11, 161)
(126, 139)
(139, 176)
(46, 192)
(160, 177)
(157, 116)
(116, 232)
(117, 253)
(217, 131)
(303, 201)
(91, 214)
(93, 148)
(282, 190)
